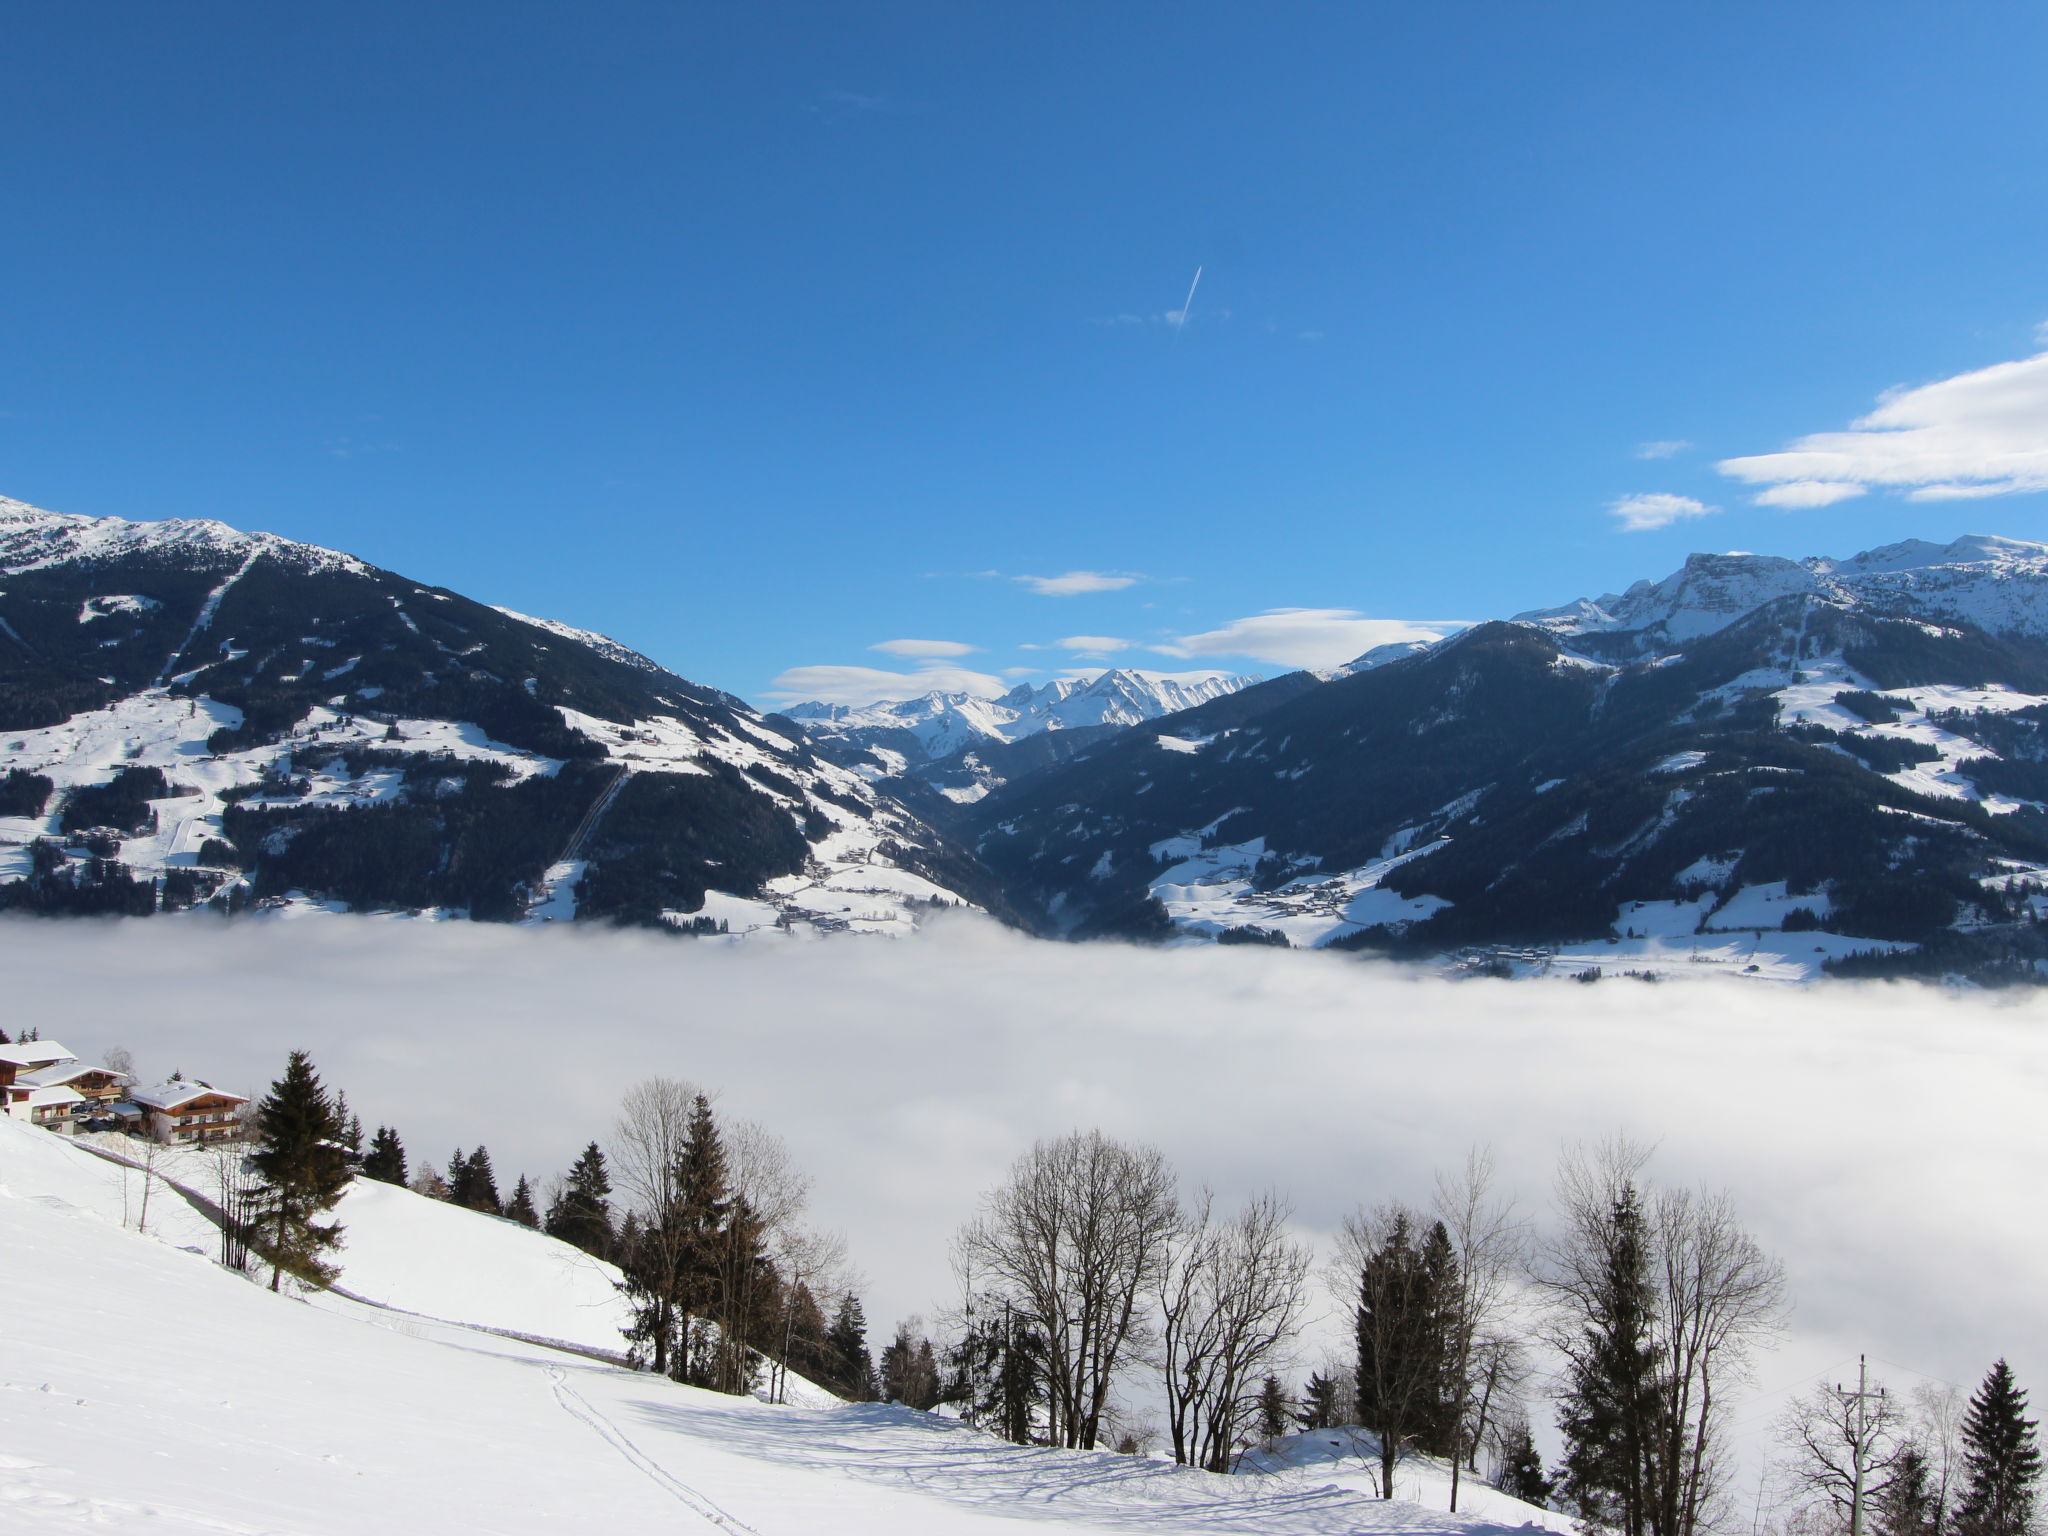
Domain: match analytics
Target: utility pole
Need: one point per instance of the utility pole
(1857, 1422)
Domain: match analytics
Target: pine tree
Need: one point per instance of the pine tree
(303, 1170)
(520, 1207)
(473, 1184)
(1274, 1411)
(386, 1159)
(351, 1130)
(1402, 1322)
(1318, 1403)
(1908, 1504)
(910, 1371)
(853, 1372)
(1610, 1404)
(702, 1206)
(582, 1215)
(2001, 1460)
(995, 1374)
(1521, 1468)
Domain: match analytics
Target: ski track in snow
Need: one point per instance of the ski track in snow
(577, 1407)
(207, 610)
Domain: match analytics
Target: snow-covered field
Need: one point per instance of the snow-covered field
(143, 1388)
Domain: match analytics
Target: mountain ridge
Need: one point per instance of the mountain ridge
(186, 708)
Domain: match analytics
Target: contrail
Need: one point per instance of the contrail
(1188, 303)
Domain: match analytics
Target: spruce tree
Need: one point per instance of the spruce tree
(2001, 1460)
(1521, 1468)
(385, 1161)
(1610, 1406)
(1402, 1324)
(1274, 1411)
(473, 1184)
(1908, 1504)
(302, 1169)
(520, 1207)
(853, 1371)
(582, 1215)
(702, 1205)
(1318, 1403)
(351, 1136)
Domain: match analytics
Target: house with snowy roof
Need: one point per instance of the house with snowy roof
(187, 1111)
(43, 1083)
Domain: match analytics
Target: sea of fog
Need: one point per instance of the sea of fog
(1888, 1142)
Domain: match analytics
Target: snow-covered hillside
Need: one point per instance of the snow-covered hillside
(144, 1388)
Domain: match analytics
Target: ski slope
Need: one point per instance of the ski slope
(144, 1388)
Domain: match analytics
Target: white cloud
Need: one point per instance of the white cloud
(1806, 493)
(1304, 637)
(1098, 644)
(926, 648)
(1983, 433)
(1664, 449)
(1656, 509)
(1883, 1141)
(1074, 582)
(869, 685)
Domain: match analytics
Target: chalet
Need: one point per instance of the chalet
(186, 1111)
(43, 1083)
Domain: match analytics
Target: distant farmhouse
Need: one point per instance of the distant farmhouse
(42, 1082)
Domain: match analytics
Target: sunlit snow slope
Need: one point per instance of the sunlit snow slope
(144, 1388)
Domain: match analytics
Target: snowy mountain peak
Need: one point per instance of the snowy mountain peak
(1998, 584)
(32, 538)
(941, 724)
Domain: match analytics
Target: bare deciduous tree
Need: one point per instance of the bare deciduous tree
(1841, 1451)
(648, 1141)
(1490, 1242)
(1229, 1298)
(1074, 1239)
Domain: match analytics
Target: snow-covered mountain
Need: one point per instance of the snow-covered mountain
(946, 750)
(187, 709)
(1763, 764)
(941, 724)
(1993, 584)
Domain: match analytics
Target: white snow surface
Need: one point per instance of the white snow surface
(31, 538)
(604, 645)
(147, 1389)
(1209, 890)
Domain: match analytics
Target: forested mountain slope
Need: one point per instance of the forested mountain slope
(190, 713)
(1858, 763)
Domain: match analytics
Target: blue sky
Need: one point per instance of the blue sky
(761, 336)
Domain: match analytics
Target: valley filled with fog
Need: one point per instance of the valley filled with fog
(1880, 1139)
